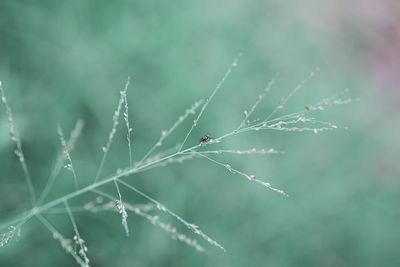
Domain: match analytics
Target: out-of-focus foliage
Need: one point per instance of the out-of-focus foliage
(65, 60)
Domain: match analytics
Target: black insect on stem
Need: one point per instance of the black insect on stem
(205, 139)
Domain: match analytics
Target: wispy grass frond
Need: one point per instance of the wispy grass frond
(59, 164)
(208, 100)
(249, 177)
(121, 209)
(194, 228)
(248, 113)
(115, 122)
(284, 100)
(142, 211)
(164, 134)
(77, 237)
(124, 94)
(253, 151)
(67, 157)
(65, 243)
(18, 152)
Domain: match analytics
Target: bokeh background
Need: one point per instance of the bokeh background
(64, 60)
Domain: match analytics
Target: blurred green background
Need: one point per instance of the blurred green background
(65, 60)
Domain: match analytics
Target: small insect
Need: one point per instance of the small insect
(204, 139)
